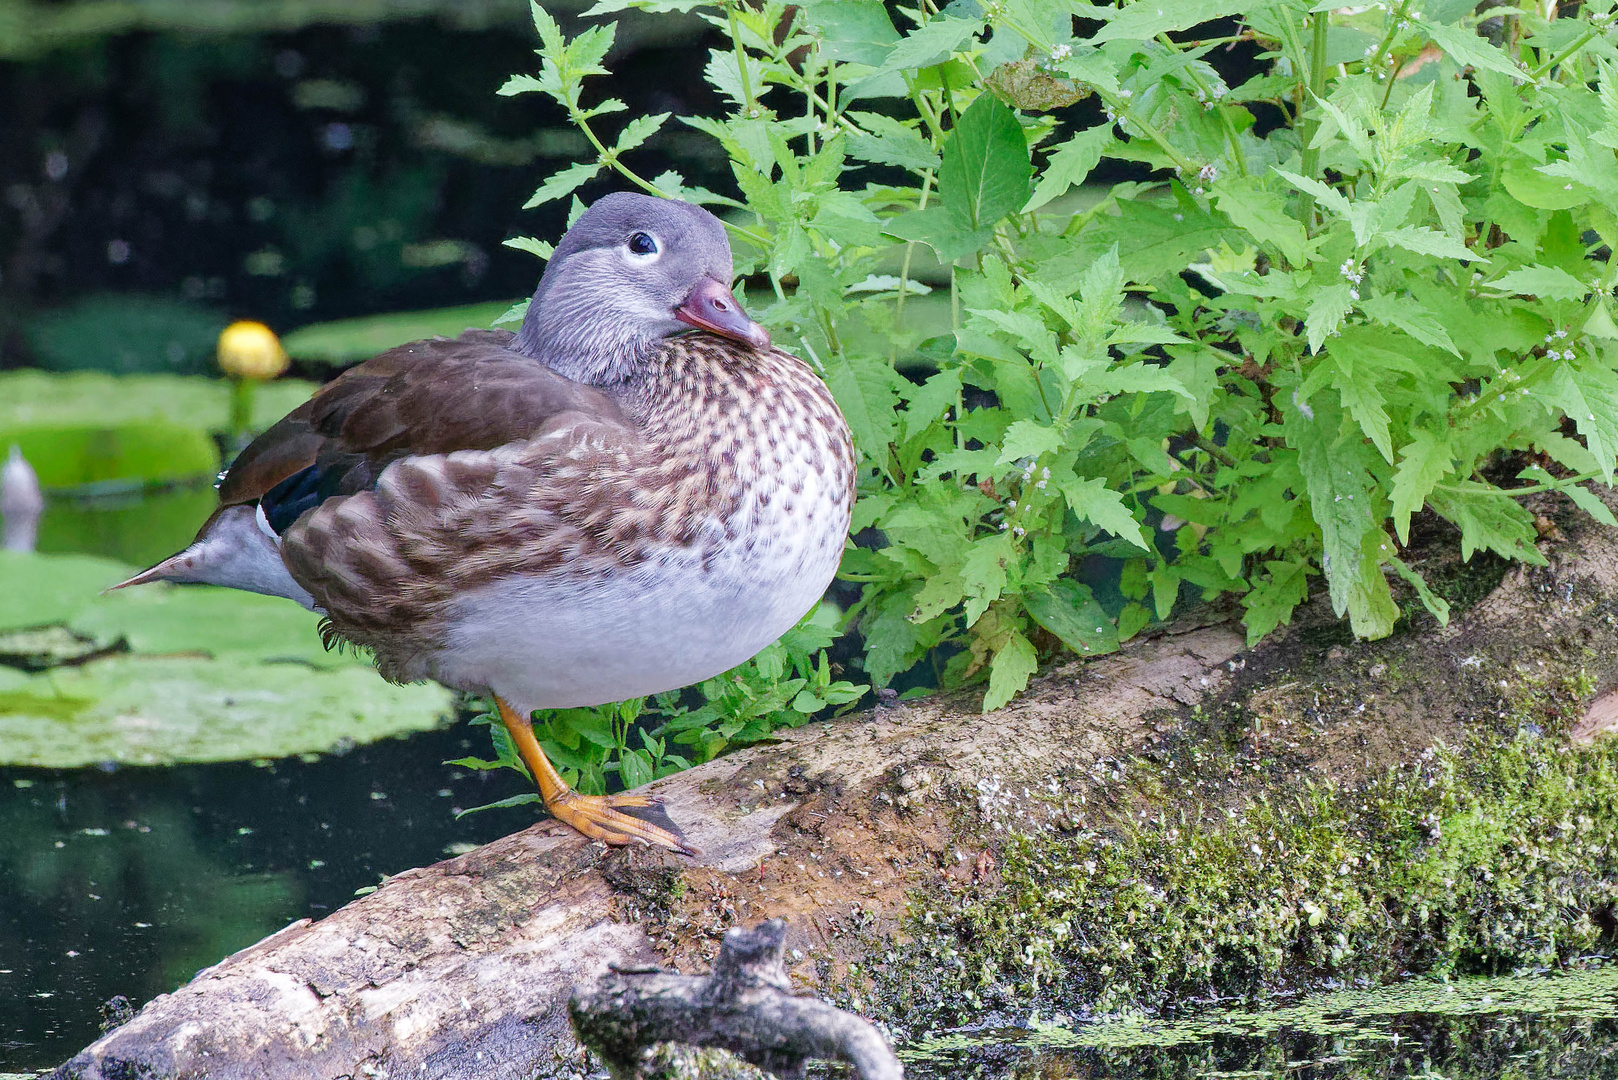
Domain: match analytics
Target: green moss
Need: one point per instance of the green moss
(1487, 860)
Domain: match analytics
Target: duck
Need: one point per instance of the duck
(632, 493)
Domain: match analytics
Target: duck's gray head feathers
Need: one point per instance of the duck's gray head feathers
(632, 271)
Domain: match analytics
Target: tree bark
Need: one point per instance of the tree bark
(465, 968)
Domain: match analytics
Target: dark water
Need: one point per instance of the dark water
(128, 882)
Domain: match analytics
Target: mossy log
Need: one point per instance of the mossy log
(869, 833)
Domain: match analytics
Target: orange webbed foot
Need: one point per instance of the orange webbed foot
(620, 819)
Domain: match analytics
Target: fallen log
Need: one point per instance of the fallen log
(465, 968)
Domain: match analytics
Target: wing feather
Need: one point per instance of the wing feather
(429, 397)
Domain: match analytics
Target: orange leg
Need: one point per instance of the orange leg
(615, 819)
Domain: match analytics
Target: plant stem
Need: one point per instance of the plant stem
(1320, 20)
(1374, 64)
(1237, 158)
(904, 271)
(1574, 46)
(1531, 489)
(741, 58)
(1120, 106)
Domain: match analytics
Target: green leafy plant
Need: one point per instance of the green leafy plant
(785, 686)
(1247, 366)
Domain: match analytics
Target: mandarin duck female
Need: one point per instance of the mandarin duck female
(633, 493)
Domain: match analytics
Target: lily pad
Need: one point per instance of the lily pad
(40, 397)
(212, 675)
(212, 622)
(150, 710)
(136, 529)
(148, 451)
(348, 341)
(126, 333)
(45, 589)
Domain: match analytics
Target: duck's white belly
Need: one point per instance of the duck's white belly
(549, 641)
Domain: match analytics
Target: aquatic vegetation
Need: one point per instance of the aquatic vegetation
(29, 398)
(1559, 1025)
(177, 673)
(348, 341)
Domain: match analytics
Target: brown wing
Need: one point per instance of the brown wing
(429, 397)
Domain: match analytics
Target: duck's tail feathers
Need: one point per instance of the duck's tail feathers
(236, 549)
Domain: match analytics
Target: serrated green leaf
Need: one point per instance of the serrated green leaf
(1333, 468)
(1548, 281)
(1265, 215)
(1365, 403)
(1145, 19)
(1328, 196)
(1091, 500)
(521, 84)
(1134, 379)
(1423, 462)
(1590, 503)
(1371, 608)
(930, 401)
(1488, 519)
(1274, 596)
(1533, 188)
(1467, 49)
(1028, 439)
(1408, 315)
(1069, 610)
(867, 391)
(561, 184)
(638, 131)
(1588, 394)
(635, 767)
(1070, 164)
(1437, 605)
(542, 248)
(983, 574)
(931, 43)
(940, 229)
(1013, 665)
(902, 148)
(1425, 241)
(1326, 313)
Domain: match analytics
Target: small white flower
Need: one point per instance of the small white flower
(1561, 333)
(1208, 173)
(1011, 504)
(1018, 531)
(1569, 355)
(1552, 354)
(1353, 294)
(1040, 484)
(1060, 53)
(1045, 473)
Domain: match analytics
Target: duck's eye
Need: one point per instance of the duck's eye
(642, 244)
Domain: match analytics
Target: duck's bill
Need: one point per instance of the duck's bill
(711, 307)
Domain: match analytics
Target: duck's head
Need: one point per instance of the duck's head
(632, 271)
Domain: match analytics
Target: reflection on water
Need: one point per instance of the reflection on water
(136, 528)
(1526, 1028)
(127, 882)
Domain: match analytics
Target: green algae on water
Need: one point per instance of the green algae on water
(1526, 1028)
